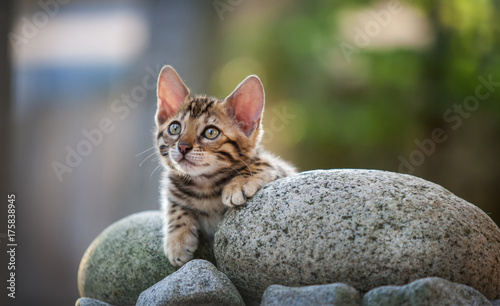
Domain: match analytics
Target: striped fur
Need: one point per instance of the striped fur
(198, 186)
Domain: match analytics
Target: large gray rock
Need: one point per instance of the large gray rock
(198, 282)
(331, 294)
(126, 259)
(423, 292)
(365, 228)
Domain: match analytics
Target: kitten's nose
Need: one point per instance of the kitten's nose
(184, 147)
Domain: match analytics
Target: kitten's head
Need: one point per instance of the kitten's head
(201, 135)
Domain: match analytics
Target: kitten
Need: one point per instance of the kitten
(210, 150)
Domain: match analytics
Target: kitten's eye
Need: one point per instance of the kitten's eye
(174, 128)
(211, 133)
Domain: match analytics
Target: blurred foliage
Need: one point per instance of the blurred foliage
(366, 112)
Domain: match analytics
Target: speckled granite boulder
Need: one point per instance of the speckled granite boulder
(198, 282)
(126, 259)
(331, 294)
(423, 292)
(90, 302)
(365, 228)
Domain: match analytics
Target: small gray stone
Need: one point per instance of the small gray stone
(332, 294)
(495, 303)
(126, 259)
(198, 282)
(365, 228)
(426, 291)
(90, 302)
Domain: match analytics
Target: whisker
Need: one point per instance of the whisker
(145, 151)
(236, 171)
(147, 158)
(151, 176)
(246, 165)
(186, 178)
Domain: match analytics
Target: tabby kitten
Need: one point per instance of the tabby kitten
(210, 150)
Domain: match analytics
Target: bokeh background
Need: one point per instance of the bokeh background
(349, 84)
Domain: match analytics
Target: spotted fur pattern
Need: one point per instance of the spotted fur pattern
(205, 174)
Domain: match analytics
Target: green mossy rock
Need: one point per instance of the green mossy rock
(127, 258)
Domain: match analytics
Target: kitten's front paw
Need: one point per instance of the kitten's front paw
(180, 246)
(237, 191)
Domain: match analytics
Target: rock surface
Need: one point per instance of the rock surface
(198, 282)
(331, 294)
(426, 291)
(126, 259)
(90, 302)
(365, 228)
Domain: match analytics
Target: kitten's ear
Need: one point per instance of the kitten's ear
(172, 93)
(246, 103)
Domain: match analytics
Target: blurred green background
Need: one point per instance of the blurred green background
(369, 82)
(405, 86)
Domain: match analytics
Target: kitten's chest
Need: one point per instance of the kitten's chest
(208, 206)
(202, 197)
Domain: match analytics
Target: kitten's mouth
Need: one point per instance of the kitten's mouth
(186, 162)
